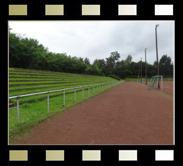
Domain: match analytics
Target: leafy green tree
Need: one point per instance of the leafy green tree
(101, 65)
(87, 61)
(128, 60)
(14, 46)
(165, 65)
(28, 53)
(111, 62)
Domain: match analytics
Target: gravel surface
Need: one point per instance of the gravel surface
(126, 114)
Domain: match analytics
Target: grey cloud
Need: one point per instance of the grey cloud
(97, 39)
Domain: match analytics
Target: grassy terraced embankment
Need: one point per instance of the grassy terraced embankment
(34, 108)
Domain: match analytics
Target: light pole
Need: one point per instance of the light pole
(146, 65)
(157, 52)
(141, 70)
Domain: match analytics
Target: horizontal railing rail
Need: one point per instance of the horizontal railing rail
(59, 90)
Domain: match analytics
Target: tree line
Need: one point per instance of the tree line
(29, 54)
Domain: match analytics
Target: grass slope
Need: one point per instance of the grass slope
(33, 109)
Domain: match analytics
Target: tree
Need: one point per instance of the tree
(128, 60)
(14, 44)
(28, 53)
(87, 61)
(165, 65)
(111, 62)
(81, 59)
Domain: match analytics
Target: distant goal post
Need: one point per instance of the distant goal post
(141, 80)
(156, 79)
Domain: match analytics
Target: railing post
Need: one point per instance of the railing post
(75, 95)
(83, 92)
(48, 101)
(64, 98)
(99, 87)
(157, 82)
(161, 83)
(18, 109)
(88, 91)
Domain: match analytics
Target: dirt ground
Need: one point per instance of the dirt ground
(126, 114)
(167, 86)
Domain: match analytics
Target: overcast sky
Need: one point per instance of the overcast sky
(97, 39)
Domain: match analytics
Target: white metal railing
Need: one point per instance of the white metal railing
(101, 85)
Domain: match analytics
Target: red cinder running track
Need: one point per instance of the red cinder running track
(126, 114)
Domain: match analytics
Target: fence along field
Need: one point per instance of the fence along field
(34, 108)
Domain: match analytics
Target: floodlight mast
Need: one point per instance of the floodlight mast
(157, 52)
(141, 70)
(146, 66)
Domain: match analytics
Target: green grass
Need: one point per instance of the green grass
(148, 79)
(37, 97)
(53, 81)
(167, 79)
(131, 79)
(31, 115)
(34, 109)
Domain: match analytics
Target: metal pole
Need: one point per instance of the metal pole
(18, 110)
(83, 92)
(141, 69)
(157, 51)
(157, 81)
(75, 95)
(146, 66)
(48, 101)
(93, 89)
(64, 98)
(161, 82)
(88, 91)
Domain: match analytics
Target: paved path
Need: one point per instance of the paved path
(126, 114)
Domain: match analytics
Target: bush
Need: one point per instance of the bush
(115, 77)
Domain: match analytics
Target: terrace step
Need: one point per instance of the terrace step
(33, 88)
(44, 97)
(36, 80)
(10, 85)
